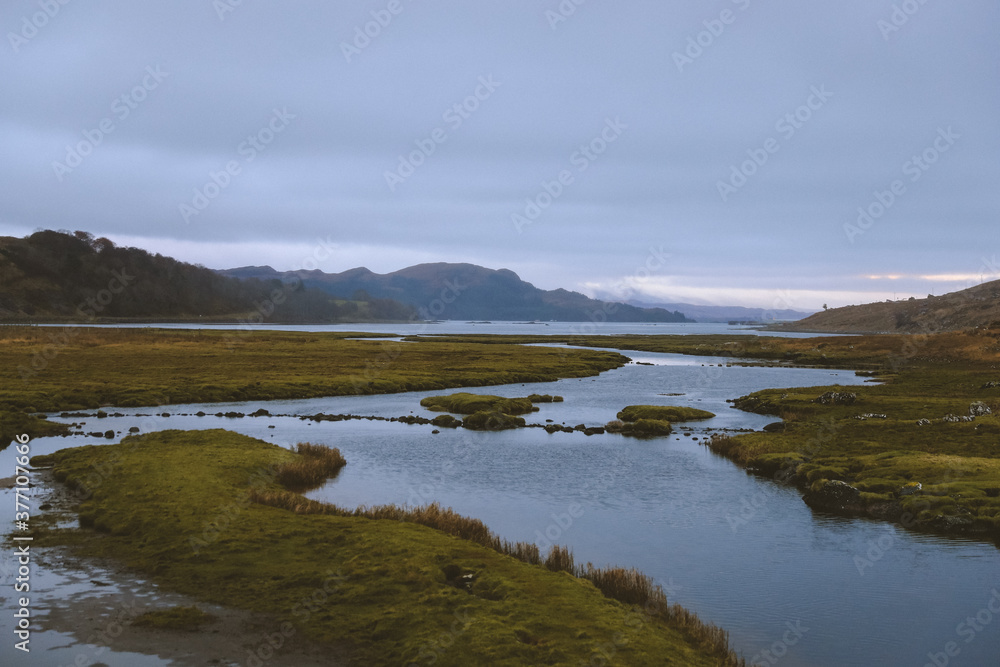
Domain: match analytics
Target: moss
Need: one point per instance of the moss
(464, 403)
(492, 420)
(175, 618)
(641, 428)
(663, 412)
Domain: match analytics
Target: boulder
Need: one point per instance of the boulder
(834, 496)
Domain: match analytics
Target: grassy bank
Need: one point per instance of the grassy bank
(75, 368)
(912, 450)
(177, 506)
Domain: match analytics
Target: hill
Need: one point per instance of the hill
(62, 276)
(467, 292)
(977, 306)
(727, 313)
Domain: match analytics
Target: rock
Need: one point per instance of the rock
(870, 415)
(954, 419)
(923, 422)
(133, 429)
(979, 409)
(774, 427)
(910, 489)
(834, 496)
(261, 413)
(837, 398)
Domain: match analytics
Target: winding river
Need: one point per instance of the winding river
(791, 586)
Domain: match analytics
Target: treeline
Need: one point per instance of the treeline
(63, 275)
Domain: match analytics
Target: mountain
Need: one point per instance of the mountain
(467, 292)
(726, 313)
(977, 306)
(59, 275)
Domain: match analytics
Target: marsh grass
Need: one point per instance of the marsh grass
(188, 619)
(88, 368)
(317, 463)
(628, 586)
(386, 586)
(668, 413)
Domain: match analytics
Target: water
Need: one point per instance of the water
(740, 551)
(453, 327)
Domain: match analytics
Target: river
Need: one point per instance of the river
(741, 551)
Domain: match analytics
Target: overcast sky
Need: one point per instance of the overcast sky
(710, 152)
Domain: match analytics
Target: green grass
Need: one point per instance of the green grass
(77, 368)
(464, 403)
(174, 618)
(663, 412)
(640, 428)
(177, 507)
(957, 464)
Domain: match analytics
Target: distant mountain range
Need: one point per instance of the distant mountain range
(62, 276)
(727, 313)
(466, 292)
(977, 306)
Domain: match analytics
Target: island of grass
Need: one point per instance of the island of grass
(663, 412)
(648, 421)
(486, 412)
(203, 513)
(81, 368)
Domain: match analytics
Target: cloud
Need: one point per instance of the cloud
(414, 93)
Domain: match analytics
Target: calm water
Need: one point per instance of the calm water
(740, 551)
(507, 328)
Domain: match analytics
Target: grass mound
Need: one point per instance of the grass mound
(375, 581)
(464, 403)
(492, 420)
(663, 412)
(641, 428)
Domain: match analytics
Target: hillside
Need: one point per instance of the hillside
(60, 276)
(977, 306)
(727, 313)
(468, 292)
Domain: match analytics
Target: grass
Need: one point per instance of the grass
(890, 438)
(641, 428)
(464, 403)
(380, 582)
(315, 465)
(175, 618)
(663, 412)
(877, 443)
(44, 369)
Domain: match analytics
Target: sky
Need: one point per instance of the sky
(781, 154)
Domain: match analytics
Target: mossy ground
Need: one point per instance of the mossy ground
(175, 506)
(464, 403)
(76, 368)
(668, 413)
(924, 377)
(174, 618)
